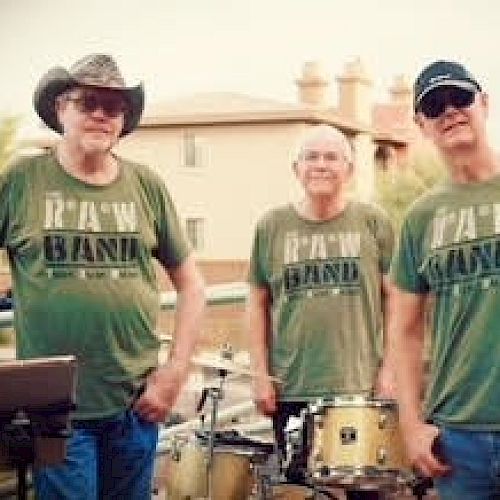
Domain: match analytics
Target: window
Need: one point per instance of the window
(194, 151)
(195, 230)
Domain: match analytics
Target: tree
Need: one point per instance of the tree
(397, 188)
(8, 130)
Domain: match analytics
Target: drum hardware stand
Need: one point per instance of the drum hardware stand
(419, 486)
(215, 394)
(19, 431)
(297, 445)
(264, 482)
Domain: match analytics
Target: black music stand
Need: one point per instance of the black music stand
(36, 398)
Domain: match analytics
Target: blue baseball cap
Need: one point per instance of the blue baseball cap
(442, 74)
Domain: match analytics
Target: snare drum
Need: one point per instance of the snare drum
(231, 475)
(356, 441)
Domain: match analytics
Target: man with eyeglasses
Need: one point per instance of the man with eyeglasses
(318, 293)
(82, 226)
(449, 250)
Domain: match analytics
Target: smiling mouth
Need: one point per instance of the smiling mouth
(97, 131)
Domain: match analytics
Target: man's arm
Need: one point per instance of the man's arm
(406, 332)
(164, 384)
(258, 327)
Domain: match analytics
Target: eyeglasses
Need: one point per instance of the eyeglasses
(314, 156)
(435, 103)
(110, 103)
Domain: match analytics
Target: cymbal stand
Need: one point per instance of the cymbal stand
(419, 486)
(215, 394)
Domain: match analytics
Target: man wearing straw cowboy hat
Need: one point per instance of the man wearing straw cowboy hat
(82, 226)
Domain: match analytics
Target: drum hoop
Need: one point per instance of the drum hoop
(234, 450)
(355, 402)
(360, 472)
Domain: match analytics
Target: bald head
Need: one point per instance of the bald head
(323, 134)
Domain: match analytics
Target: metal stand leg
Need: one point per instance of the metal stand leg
(215, 394)
(22, 488)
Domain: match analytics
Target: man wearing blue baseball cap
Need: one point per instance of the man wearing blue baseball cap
(449, 249)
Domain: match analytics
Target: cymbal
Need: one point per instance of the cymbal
(216, 362)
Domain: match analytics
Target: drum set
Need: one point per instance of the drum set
(345, 442)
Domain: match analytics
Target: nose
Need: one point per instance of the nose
(98, 112)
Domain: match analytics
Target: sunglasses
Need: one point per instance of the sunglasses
(313, 156)
(110, 103)
(435, 103)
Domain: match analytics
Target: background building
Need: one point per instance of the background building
(226, 157)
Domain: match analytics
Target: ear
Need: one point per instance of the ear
(350, 168)
(419, 119)
(59, 104)
(484, 101)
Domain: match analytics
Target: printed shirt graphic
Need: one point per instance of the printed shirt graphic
(325, 283)
(84, 280)
(450, 247)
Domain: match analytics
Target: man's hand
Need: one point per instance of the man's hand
(265, 395)
(160, 394)
(420, 439)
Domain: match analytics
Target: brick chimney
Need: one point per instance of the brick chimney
(313, 85)
(355, 93)
(401, 94)
(401, 91)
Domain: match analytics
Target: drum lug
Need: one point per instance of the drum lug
(319, 421)
(318, 407)
(382, 421)
(324, 471)
(381, 456)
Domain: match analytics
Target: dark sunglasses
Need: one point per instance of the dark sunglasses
(111, 104)
(435, 103)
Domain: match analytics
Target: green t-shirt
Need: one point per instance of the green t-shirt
(450, 248)
(326, 307)
(83, 276)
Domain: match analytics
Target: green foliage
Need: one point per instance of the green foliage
(8, 129)
(398, 187)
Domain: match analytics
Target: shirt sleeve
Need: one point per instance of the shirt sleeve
(386, 241)
(406, 265)
(12, 192)
(257, 274)
(172, 247)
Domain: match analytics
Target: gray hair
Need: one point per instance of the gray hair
(323, 132)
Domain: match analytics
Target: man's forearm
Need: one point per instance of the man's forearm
(188, 319)
(409, 371)
(258, 329)
(406, 339)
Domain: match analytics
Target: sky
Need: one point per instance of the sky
(254, 47)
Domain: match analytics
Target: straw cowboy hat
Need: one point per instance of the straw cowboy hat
(95, 70)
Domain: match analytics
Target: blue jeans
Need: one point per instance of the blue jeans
(474, 457)
(107, 459)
